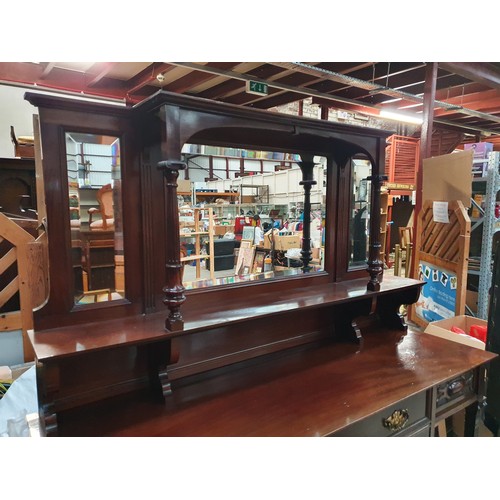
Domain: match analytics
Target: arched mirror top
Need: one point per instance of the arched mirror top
(204, 121)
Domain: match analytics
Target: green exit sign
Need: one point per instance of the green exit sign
(257, 88)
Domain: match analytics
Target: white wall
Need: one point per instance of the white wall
(15, 111)
(11, 348)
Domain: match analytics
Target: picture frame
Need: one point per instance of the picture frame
(248, 233)
(245, 260)
(258, 262)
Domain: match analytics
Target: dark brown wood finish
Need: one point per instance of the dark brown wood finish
(219, 335)
(201, 316)
(309, 392)
(307, 168)
(174, 289)
(17, 178)
(58, 116)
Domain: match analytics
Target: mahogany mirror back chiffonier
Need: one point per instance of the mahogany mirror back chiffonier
(123, 348)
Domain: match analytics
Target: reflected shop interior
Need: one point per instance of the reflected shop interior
(244, 219)
(94, 186)
(236, 224)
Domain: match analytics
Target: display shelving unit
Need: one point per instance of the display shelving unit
(197, 234)
(490, 226)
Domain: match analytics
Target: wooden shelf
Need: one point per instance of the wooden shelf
(193, 233)
(198, 316)
(219, 195)
(195, 257)
(197, 234)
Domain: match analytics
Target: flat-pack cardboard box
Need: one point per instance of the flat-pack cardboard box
(287, 242)
(442, 328)
(282, 243)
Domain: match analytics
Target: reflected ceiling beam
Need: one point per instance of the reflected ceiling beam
(99, 71)
(484, 73)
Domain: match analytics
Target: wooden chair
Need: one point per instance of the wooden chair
(105, 200)
(403, 251)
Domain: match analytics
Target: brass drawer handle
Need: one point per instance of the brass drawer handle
(397, 420)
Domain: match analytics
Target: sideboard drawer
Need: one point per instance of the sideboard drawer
(407, 414)
(456, 390)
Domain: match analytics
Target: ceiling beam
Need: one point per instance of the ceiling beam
(483, 73)
(194, 78)
(147, 76)
(247, 78)
(47, 68)
(99, 71)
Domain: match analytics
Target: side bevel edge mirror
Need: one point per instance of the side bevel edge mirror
(95, 214)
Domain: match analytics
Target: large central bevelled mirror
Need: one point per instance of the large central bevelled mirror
(241, 215)
(95, 208)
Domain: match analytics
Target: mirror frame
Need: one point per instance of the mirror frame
(58, 116)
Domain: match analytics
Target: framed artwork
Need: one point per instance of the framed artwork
(245, 243)
(258, 262)
(248, 233)
(245, 260)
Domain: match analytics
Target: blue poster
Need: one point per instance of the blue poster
(438, 296)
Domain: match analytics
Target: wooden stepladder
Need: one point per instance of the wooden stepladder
(24, 262)
(441, 255)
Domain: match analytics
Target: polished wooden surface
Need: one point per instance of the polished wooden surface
(304, 355)
(201, 315)
(306, 392)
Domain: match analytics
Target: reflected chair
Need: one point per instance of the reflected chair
(403, 251)
(105, 199)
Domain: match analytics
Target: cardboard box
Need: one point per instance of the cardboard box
(221, 230)
(471, 299)
(247, 199)
(282, 243)
(287, 242)
(183, 186)
(448, 177)
(479, 199)
(442, 328)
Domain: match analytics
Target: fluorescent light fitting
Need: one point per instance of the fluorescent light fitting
(401, 117)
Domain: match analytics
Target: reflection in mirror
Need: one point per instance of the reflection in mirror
(94, 184)
(241, 215)
(359, 220)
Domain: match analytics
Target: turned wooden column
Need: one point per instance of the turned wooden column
(375, 265)
(307, 168)
(173, 289)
